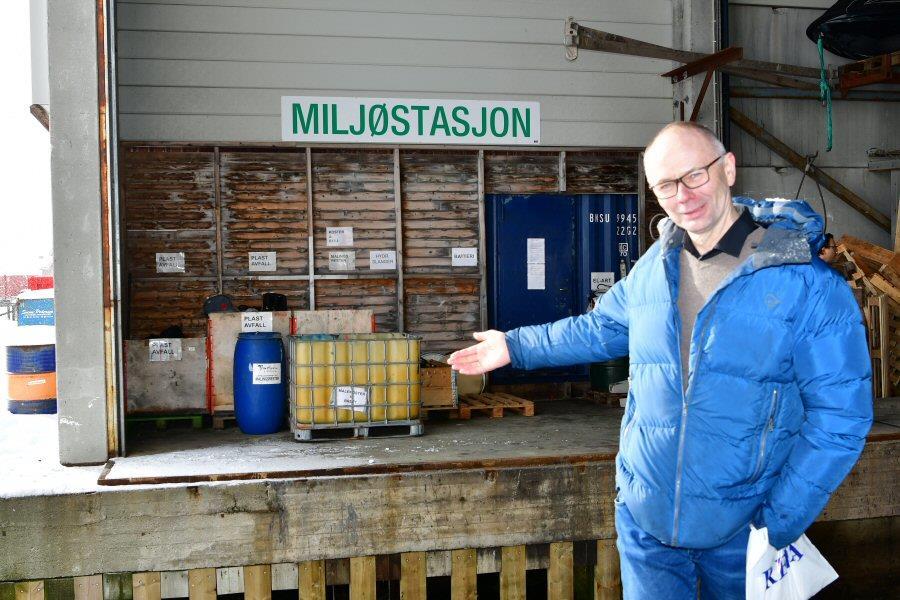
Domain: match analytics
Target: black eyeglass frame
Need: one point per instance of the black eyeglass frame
(681, 180)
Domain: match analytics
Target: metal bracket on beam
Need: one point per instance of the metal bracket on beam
(571, 42)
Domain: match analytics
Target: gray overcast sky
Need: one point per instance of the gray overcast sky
(25, 213)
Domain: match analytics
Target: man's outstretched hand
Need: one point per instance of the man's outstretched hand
(491, 353)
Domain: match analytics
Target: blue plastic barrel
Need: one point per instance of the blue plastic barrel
(32, 407)
(30, 359)
(259, 400)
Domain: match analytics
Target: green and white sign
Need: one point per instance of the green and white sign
(409, 121)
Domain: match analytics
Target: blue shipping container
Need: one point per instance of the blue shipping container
(548, 254)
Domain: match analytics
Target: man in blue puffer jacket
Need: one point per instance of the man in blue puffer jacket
(750, 389)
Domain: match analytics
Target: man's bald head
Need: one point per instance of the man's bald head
(680, 129)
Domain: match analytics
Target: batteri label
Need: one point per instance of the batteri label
(266, 373)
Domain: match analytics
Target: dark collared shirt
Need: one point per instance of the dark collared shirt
(731, 243)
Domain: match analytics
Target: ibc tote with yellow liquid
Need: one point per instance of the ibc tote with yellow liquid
(355, 379)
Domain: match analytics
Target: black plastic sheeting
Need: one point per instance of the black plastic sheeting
(858, 29)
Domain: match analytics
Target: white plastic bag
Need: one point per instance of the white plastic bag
(797, 572)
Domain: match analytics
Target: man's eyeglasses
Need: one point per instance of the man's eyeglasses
(691, 180)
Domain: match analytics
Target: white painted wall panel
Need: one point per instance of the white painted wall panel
(186, 65)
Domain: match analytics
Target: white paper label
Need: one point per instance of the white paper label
(262, 261)
(344, 260)
(602, 280)
(338, 236)
(36, 382)
(256, 321)
(170, 262)
(464, 257)
(165, 350)
(266, 373)
(535, 251)
(352, 397)
(536, 276)
(380, 260)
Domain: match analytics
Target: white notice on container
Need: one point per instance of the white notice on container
(344, 260)
(536, 276)
(266, 373)
(464, 257)
(602, 280)
(262, 261)
(351, 397)
(382, 260)
(170, 262)
(535, 251)
(165, 350)
(336, 237)
(256, 321)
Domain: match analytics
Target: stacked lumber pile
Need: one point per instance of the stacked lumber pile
(874, 273)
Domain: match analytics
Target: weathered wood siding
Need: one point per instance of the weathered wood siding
(214, 70)
(264, 210)
(354, 188)
(259, 203)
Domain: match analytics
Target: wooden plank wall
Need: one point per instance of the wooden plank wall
(169, 206)
(259, 202)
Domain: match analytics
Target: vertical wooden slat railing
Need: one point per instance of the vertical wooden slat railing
(202, 584)
(362, 578)
(464, 574)
(512, 573)
(146, 586)
(413, 576)
(313, 578)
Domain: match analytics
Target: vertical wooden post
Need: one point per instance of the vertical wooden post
(561, 186)
(258, 582)
(89, 587)
(30, 590)
(413, 573)
(310, 231)
(482, 244)
(311, 580)
(512, 573)
(146, 586)
(398, 220)
(362, 578)
(217, 173)
(463, 574)
(607, 577)
(560, 582)
(202, 584)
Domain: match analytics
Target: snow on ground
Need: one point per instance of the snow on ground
(29, 445)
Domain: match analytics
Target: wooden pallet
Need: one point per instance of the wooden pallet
(492, 404)
(222, 420)
(162, 421)
(604, 398)
(359, 431)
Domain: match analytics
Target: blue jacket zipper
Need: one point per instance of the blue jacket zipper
(769, 427)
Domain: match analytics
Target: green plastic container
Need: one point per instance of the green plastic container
(604, 374)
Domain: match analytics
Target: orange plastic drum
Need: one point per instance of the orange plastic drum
(32, 386)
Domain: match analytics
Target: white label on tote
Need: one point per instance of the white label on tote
(351, 397)
(36, 382)
(266, 373)
(256, 321)
(164, 350)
